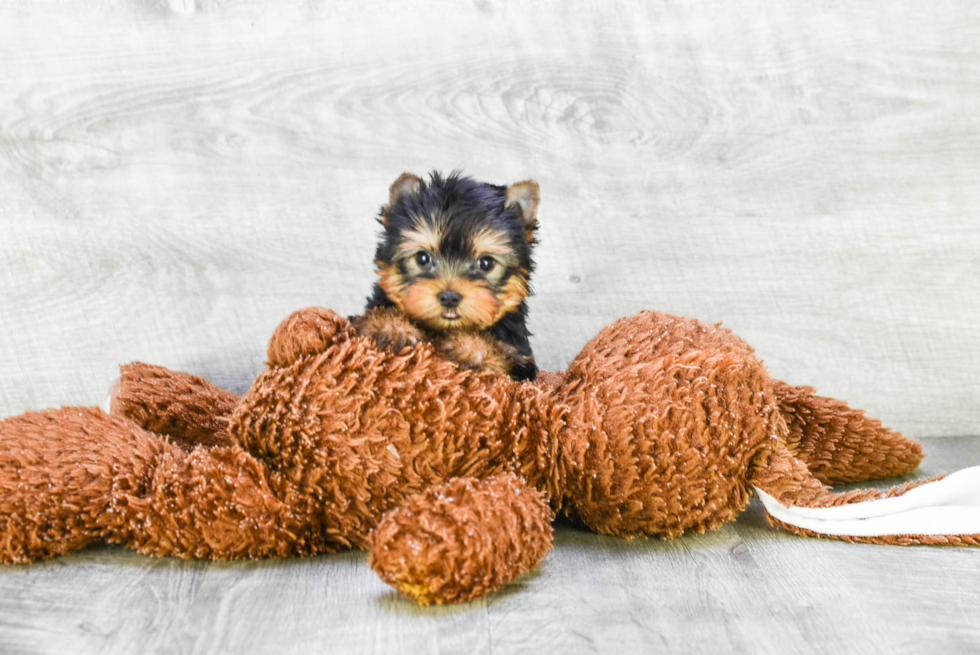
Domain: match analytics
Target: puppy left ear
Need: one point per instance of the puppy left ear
(405, 184)
(525, 197)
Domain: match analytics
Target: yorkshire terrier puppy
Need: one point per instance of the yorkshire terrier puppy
(455, 264)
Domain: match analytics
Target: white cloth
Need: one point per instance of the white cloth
(950, 506)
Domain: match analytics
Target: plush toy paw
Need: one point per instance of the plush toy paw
(306, 332)
(390, 328)
(462, 539)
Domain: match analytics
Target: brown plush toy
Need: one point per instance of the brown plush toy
(450, 478)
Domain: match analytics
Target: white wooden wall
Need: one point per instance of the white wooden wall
(177, 177)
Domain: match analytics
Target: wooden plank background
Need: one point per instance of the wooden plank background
(176, 177)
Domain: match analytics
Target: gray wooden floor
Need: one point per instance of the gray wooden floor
(746, 588)
(176, 176)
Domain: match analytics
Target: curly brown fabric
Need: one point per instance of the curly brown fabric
(76, 475)
(840, 444)
(660, 426)
(462, 540)
(661, 445)
(185, 407)
(778, 472)
(306, 332)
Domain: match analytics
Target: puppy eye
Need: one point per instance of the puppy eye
(423, 259)
(487, 263)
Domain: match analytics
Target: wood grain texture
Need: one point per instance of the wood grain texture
(176, 177)
(746, 588)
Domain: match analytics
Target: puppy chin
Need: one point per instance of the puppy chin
(444, 325)
(446, 321)
(458, 319)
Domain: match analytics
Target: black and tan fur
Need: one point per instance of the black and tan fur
(455, 264)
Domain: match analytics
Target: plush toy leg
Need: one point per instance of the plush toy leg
(936, 511)
(73, 476)
(187, 408)
(839, 444)
(462, 540)
(57, 469)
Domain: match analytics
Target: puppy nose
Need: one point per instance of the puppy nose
(449, 298)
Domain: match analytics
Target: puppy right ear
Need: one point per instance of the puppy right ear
(525, 196)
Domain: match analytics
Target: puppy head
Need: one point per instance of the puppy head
(456, 253)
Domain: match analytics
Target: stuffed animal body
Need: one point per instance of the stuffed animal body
(450, 477)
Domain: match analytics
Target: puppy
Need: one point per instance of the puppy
(455, 265)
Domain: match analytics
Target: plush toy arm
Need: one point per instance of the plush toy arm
(73, 476)
(185, 407)
(306, 332)
(463, 539)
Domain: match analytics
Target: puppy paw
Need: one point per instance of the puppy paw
(475, 350)
(389, 328)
